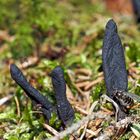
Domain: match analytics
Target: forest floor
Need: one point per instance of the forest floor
(70, 35)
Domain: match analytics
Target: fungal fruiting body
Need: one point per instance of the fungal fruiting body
(64, 108)
(114, 66)
(34, 94)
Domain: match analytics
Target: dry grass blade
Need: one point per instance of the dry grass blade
(82, 84)
(107, 111)
(81, 78)
(83, 71)
(80, 110)
(51, 130)
(132, 137)
(91, 84)
(94, 133)
(5, 99)
(90, 111)
(18, 107)
(135, 106)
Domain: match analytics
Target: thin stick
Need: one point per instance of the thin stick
(76, 126)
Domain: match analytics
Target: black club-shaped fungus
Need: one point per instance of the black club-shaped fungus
(113, 60)
(64, 108)
(34, 95)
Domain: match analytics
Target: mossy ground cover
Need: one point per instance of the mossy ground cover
(38, 35)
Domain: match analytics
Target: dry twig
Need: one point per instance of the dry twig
(77, 125)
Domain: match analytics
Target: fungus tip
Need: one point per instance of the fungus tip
(111, 25)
